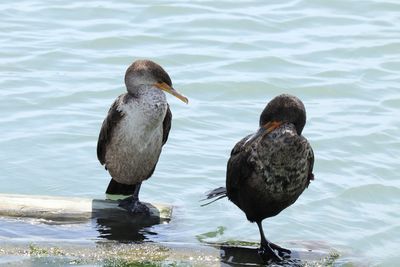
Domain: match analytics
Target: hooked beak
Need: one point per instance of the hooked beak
(165, 87)
(264, 130)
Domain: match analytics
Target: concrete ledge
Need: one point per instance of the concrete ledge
(72, 208)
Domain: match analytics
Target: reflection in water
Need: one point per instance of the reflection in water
(118, 225)
(125, 229)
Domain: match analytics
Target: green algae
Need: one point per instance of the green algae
(113, 254)
(212, 234)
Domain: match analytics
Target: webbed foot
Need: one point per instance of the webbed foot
(268, 254)
(270, 251)
(283, 252)
(134, 206)
(273, 252)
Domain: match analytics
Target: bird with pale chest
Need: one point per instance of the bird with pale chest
(135, 129)
(268, 170)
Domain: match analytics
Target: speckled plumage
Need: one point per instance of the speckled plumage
(269, 174)
(268, 170)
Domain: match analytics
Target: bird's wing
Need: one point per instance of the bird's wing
(310, 163)
(114, 116)
(238, 169)
(166, 125)
(239, 147)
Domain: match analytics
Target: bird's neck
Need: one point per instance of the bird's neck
(149, 103)
(147, 94)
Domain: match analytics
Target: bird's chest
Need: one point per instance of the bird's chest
(280, 162)
(141, 127)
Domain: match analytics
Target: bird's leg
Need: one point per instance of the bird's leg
(270, 251)
(265, 251)
(132, 203)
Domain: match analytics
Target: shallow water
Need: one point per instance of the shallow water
(62, 64)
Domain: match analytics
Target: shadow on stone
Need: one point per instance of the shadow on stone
(242, 256)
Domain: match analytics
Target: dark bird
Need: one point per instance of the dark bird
(134, 131)
(268, 170)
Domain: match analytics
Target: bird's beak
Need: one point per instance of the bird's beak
(165, 87)
(264, 130)
(271, 125)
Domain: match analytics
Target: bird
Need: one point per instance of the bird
(268, 170)
(135, 130)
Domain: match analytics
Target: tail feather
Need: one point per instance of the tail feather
(115, 188)
(215, 195)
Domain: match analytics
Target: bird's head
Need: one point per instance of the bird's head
(148, 73)
(283, 109)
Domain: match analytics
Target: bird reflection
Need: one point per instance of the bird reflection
(118, 225)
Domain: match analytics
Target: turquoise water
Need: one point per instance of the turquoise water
(62, 64)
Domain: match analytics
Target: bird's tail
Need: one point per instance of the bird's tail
(115, 188)
(214, 195)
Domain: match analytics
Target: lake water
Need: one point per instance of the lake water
(62, 64)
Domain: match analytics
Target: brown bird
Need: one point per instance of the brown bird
(268, 170)
(134, 131)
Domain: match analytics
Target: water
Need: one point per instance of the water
(63, 62)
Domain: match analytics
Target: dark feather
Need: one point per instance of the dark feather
(214, 194)
(166, 125)
(120, 189)
(113, 118)
(238, 170)
(311, 164)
